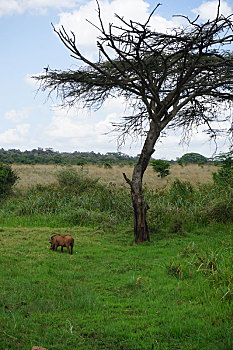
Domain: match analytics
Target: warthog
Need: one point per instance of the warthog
(63, 241)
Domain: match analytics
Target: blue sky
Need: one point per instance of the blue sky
(28, 44)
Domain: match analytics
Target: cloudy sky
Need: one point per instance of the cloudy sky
(28, 44)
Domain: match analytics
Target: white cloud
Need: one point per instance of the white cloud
(86, 34)
(17, 116)
(81, 124)
(208, 9)
(67, 125)
(116, 104)
(15, 136)
(29, 79)
(10, 7)
(81, 130)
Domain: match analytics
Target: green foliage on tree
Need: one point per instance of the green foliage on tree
(194, 158)
(224, 176)
(7, 179)
(161, 166)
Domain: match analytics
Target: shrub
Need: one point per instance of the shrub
(99, 205)
(220, 210)
(161, 166)
(224, 176)
(73, 180)
(181, 191)
(176, 225)
(7, 179)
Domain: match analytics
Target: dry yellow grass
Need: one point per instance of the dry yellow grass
(31, 175)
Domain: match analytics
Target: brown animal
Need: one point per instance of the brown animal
(63, 241)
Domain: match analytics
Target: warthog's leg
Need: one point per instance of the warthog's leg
(62, 248)
(68, 248)
(71, 249)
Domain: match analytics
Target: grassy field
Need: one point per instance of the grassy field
(110, 294)
(45, 174)
(172, 293)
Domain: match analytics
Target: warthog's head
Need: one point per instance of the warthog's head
(51, 241)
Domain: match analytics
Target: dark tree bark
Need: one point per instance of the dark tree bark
(141, 231)
(182, 79)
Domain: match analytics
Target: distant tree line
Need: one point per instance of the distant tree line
(49, 156)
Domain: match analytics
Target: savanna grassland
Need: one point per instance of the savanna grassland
(31, 175)
(172, 293)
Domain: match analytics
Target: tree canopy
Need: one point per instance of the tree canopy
(195, 158)
(161, 166)
(183, 77)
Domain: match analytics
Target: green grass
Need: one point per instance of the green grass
(172, 293)
(91, 300)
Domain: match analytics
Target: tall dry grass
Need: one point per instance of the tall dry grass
(31, 175)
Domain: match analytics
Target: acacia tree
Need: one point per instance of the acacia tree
(161, 166)
(182, 78)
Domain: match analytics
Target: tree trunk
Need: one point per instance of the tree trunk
(141, 231)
